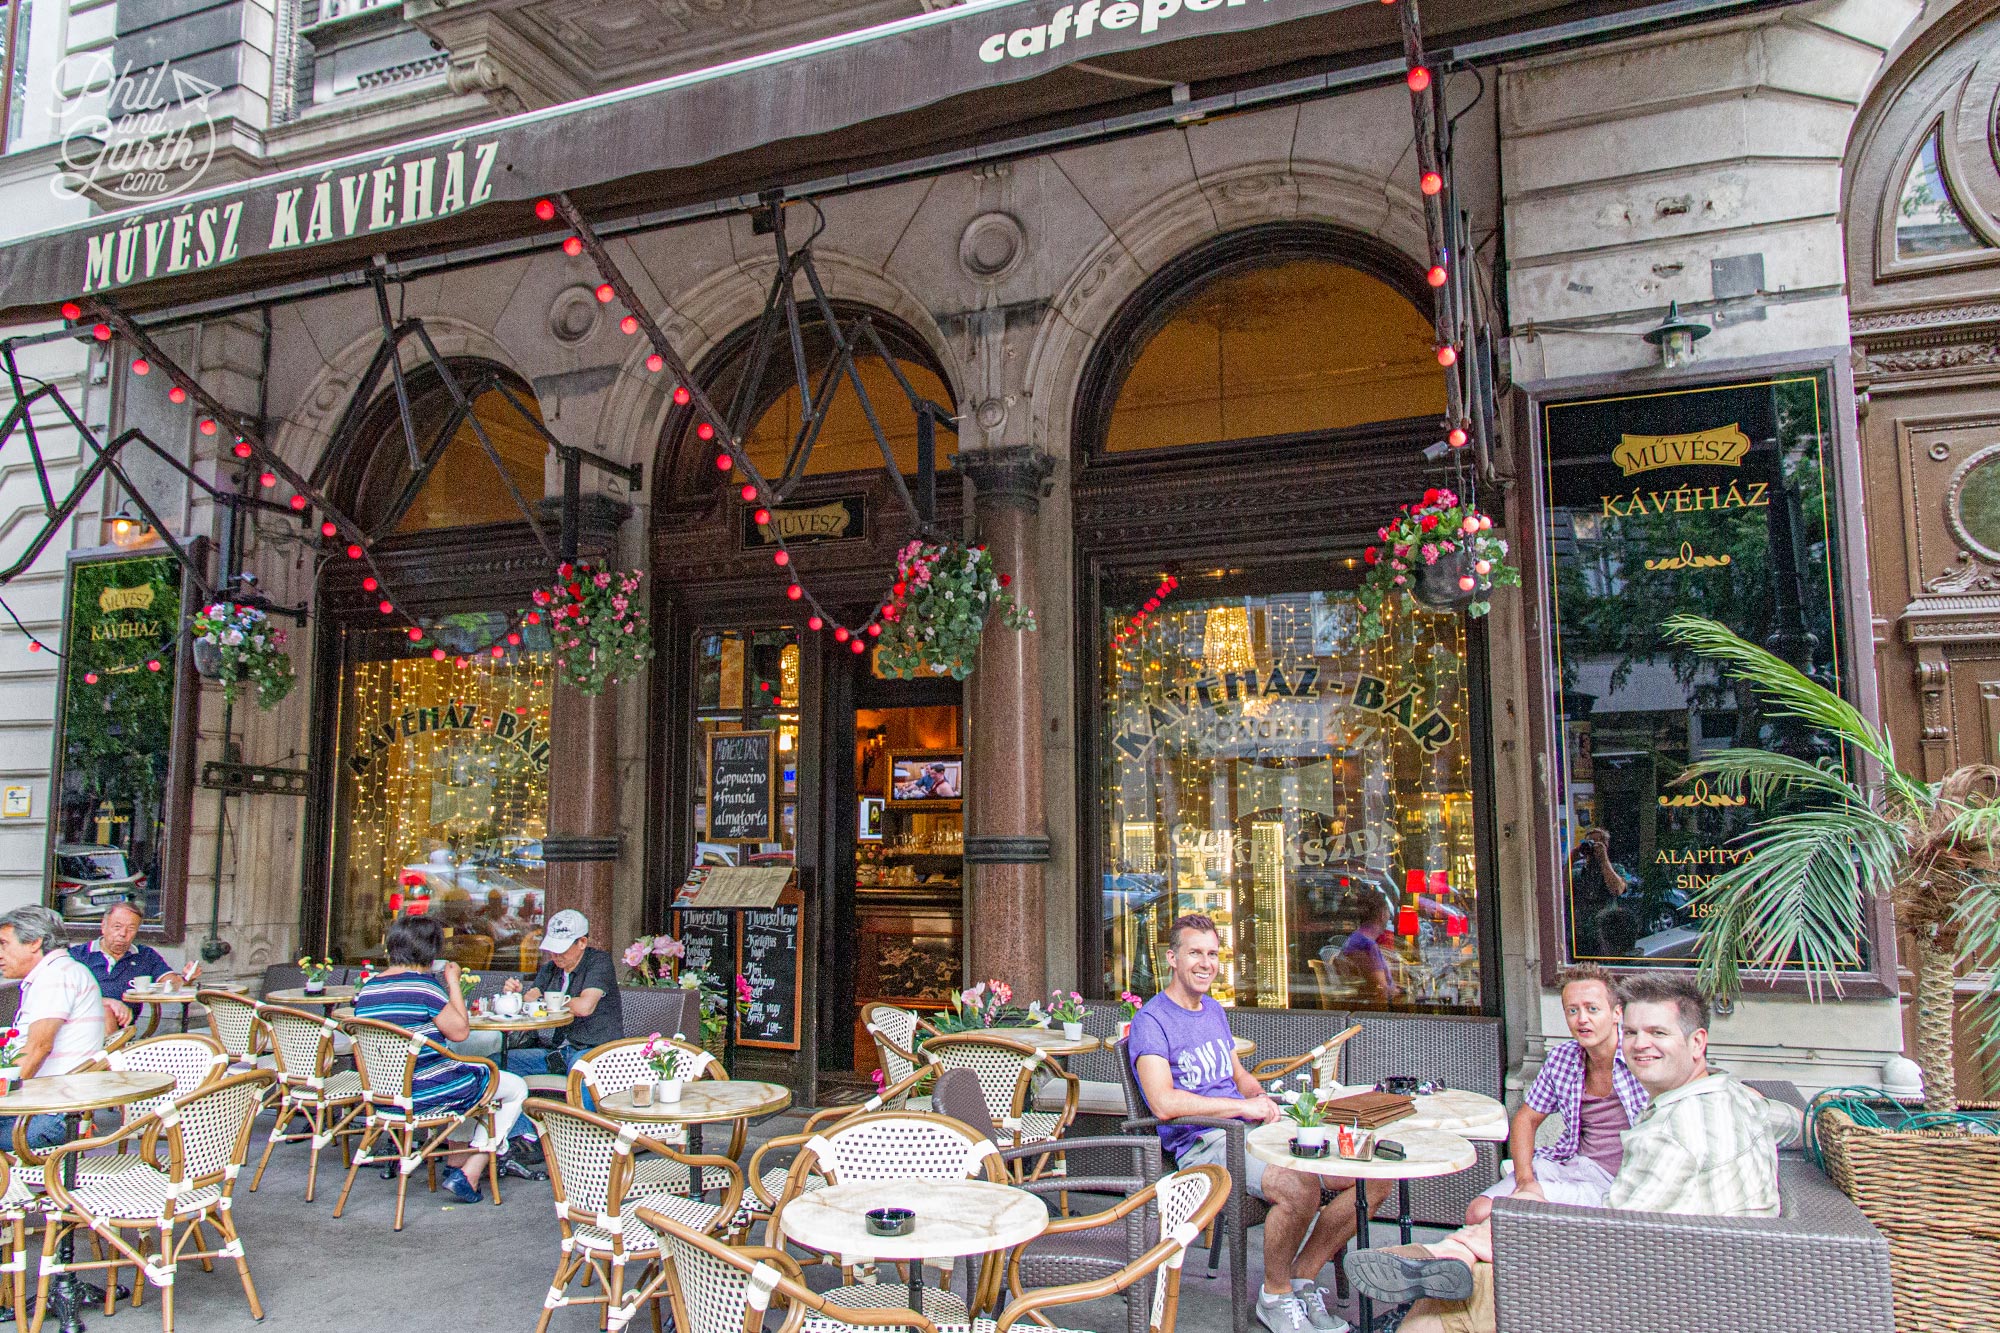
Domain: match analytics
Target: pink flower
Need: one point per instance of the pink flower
(1430, 554)
(878, 1080)
(635, 953)
(602, 580)
(666, 946)
(1002, 991)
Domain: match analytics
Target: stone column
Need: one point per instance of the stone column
(581, 846)
(1006, 836)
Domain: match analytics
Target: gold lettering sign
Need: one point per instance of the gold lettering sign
(126, 599)
(826, 522)
(1723, 446)
(1699, 796)
(1687, 559)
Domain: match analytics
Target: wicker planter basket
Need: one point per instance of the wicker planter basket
(1935, 1194)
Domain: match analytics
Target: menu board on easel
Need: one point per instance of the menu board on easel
(706, 937)
(742, 786)
(768, 959)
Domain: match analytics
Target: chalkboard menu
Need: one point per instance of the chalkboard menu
(742, 786)
(770, 963)
(705, 935)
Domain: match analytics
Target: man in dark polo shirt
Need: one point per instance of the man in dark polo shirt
(571, 966)
(116, 959)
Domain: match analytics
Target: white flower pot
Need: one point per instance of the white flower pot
(668, 1090)
(1310, 1136)
(1073, 1031)
(316, 987)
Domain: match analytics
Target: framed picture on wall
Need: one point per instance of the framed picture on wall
(926, 778)
(870, 821)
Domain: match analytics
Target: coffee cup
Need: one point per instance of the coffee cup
(507, 1004)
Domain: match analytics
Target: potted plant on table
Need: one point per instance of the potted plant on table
(664, 1060)
(1440, 554)
(316, 970)
(1066, 1007)
(1128, 1009)
(1840, 834)
(990, 1004)
(1303, 1109)
(12, 1045)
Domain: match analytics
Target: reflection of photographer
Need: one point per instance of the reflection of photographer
(1598, 889)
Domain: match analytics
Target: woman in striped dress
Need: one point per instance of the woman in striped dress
(407, 994)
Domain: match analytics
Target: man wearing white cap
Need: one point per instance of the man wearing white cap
(571, 967)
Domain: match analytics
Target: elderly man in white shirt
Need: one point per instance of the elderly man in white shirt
(60, 1022)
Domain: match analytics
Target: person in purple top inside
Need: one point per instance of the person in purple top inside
(1360, 959)
(1586, 1082)
(1184, 1057)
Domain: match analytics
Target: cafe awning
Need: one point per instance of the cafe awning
(915, 88)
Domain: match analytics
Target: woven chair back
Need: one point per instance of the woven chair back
(710, 1284)
(386, 1058)
(900, 1027)
(209, 1130)
(899, 1145)
(618, 1065)
(233, 1020)
(1180, 1197)
(667, 1010)
(589, 1160)
(1002, 1067)
(191, 1060)
(301, 1044)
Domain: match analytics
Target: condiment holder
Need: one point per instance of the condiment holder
(891, 1221)
(1354, 1145)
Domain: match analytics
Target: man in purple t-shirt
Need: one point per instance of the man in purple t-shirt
(1184, 1057)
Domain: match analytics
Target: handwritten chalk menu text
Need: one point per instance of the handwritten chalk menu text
(705, 935)
(770, 963)
(742, 785)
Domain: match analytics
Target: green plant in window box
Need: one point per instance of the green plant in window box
(1440, 554)
(938, 607)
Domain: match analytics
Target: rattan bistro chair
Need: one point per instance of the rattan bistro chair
(1007, 1071)
(591, 1168)
(889, 1146)
(1324, 1059)
(309, 1089)
(617, 1066)
(237, 1030)
(769, 1168)
(386, 1058)
(896, 1033)
(18, 1203)
(207, 1139)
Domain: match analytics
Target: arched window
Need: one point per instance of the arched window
(844, 443)
(1927, 221)
(1271, 340)
(465, 489)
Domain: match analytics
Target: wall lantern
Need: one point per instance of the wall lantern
(1676, 337)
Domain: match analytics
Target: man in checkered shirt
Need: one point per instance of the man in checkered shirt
(1702, 1145)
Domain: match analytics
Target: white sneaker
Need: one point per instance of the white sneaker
(1322, 1319)
(1283, 1314)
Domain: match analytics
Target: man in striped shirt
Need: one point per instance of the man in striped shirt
(1702, 1145)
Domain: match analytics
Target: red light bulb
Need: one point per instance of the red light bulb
(1437, 276)
(101, 332)
(34, 645)
(681, 395)
(514, 637)
(760, 517)
(1447, 355)
(858, 646)
(795, 592)
(141, 366)
(815, 623)
(749, 492)
(153, 664)
(385, 607)
(656, 363)
(437, 654)
(369, 584)
(90, 677)
(545, 209)
(71, 310)
(723, 462)
(241, 448)
(329, 529)
(498, 651)
(177, 394)
(1418, 78)
(704, 431)
(267, 480)
(298, 502)
(874, 631)
(606, 293)
(415, 634)
(573, 246)
(353, 552)
(840, 633)
(206, 425)
(534, 617)
(1430, 182)
(629, 324)
(1456, 437)
(781, 557)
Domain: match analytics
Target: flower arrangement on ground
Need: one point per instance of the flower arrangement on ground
(715, 1003)
(598, 625)
(651, 960)
(1439, 553)
(235, 643)
(990, 1004)
(938, 607)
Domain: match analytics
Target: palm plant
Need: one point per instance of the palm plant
(1846, 833)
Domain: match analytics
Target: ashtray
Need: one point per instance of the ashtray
(891, 1221)
(1318, 1151)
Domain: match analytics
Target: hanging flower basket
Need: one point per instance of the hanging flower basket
(1440, 555)
(938, 608)
(598, 626)
(234, 643)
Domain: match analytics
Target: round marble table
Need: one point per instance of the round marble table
(1470, 1115)
(1049, 1039)
(1431, 1152)
(524, 1021)
(703, 1101)
(158, 999)
(73, 1096)
(955, 1219)
(298, 996)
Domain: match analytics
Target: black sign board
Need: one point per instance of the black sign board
(843, 518)
(742, 786)
(706, 937)
(1716, 501)
(769, 961)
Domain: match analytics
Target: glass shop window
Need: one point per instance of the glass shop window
(1311, 794)
(748, 681)
(1927, 221)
